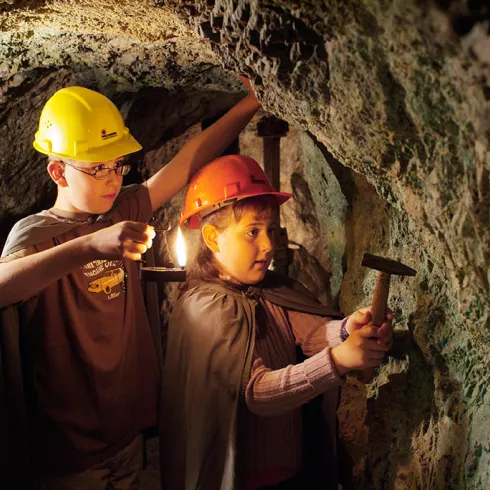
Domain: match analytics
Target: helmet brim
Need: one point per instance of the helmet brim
(193, 220)
(104, 153)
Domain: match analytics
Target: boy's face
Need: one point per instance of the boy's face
(246, 248)
(85, 193)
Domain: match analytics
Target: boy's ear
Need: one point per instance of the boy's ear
(210, 235)
(56, 171)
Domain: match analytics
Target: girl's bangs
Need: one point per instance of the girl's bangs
(263, 207)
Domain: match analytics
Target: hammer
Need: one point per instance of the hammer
(387, 267)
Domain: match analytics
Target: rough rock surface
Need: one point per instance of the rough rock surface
(391, 103)
(397, 91)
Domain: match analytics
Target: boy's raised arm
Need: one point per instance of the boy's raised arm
(200, 150)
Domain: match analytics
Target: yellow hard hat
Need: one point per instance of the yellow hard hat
(80, 124)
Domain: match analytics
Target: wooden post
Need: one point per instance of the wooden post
(272, 129)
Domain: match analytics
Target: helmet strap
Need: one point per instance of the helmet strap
(217, 206)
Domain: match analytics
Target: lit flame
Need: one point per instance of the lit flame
(180, 247)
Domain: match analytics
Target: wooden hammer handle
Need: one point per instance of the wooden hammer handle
(380, 298)
(378, 312)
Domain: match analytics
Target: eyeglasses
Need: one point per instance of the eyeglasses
(101, 172)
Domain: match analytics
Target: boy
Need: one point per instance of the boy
(91, 359)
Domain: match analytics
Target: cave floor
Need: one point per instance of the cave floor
(151, 473)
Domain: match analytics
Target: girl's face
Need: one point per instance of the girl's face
(245, 249)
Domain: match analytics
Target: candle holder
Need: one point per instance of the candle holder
(163, 274)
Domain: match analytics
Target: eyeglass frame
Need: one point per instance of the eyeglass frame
(93, 173)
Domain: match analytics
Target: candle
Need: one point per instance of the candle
(180, 249)
(169, 274)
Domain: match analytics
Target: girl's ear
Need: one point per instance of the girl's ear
(56, 171)
(210, 235)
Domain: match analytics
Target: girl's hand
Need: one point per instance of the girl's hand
(385, 332)
(358, 319)
(360, 351)
(247, 83)
(363, 317)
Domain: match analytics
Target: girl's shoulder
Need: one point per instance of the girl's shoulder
(206, 312)
(210, 301)
(212, 286)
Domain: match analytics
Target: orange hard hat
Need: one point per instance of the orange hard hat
(222, 182)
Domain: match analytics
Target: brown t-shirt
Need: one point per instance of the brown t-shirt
(94, 365)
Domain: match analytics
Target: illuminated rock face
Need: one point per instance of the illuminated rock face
(390, 105)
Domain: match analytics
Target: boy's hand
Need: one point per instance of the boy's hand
(248, 84)
(127, 239)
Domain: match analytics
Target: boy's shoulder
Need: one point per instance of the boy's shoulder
(34, 229)
(43, 226)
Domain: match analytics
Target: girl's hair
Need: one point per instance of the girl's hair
(204, 266)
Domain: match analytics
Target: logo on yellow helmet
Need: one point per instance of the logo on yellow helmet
(106, 136)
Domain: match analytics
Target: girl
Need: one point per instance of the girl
(238, 399)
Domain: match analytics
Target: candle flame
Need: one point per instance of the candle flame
(180, 248)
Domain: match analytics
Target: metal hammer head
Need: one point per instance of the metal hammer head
(387, 265)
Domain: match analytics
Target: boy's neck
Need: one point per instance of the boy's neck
(64, 210)
(72, 215)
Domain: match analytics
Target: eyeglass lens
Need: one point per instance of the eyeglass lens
(119, 170)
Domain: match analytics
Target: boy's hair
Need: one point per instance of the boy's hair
(204, 266)
(52, 158)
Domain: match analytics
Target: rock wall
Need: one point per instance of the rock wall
(398, 92)
(389, 105)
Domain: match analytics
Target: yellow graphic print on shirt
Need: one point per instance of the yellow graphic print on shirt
(113, 277)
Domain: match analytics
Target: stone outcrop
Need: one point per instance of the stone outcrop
(398, 92)
(389, 105)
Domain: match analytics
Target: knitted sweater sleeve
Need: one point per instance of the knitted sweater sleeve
(274, 392)
(313, 333)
